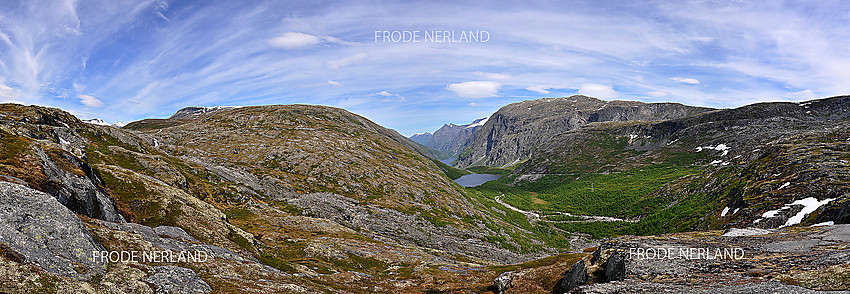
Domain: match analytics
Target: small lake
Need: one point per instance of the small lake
(472, 180)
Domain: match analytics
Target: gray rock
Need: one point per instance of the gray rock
(46, 233)
(79, 193)
(403, 227)
(577, 276)
(173, 232)
(615, 270)
(175, 279)
(518, 130)
(503, 282)
(153, 236)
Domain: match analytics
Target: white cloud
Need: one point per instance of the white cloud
(294, 40)
(689, 81)
(6, 91)
(473, 104)
(475, 89)
(90, 101)
(345, 61)
(598, 91)
(658, 93)
(493, 76)
(389, 96)
(805, 95)
(539, 89)
(334, 83)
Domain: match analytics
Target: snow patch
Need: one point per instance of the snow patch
(479, 123)
(63, 142)
(829, 223)
(725, 211)
(809, 204)
(96, 121)
(784, 185)
(721, 147)
(734, 232)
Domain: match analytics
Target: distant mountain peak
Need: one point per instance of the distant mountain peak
(478, 122)
(98, 121)
(194, 111)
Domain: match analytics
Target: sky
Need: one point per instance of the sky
(128, 60)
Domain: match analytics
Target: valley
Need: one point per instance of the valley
(307, 198)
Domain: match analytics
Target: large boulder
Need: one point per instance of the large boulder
(577, 276)
(615, 269)
(46, 233)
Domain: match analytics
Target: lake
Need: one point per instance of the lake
(472, 180)
(448, 161)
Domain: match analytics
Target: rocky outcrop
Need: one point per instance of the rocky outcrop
(48, 153)
(712, 262)
(577, 276)
(503, 282)
(79, 192)
(171, 279)
(45, 233)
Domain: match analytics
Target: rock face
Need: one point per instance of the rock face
(615, 268)
(80, 193)
(174, 279)
(45, 151)
(45, 233)
(516, 131)
(577, 276)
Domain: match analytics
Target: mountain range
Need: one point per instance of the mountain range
(306, 198)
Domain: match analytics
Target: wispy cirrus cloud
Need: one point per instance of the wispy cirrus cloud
(150, 58)
(690, 81)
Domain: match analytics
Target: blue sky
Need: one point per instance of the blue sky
(128, 60)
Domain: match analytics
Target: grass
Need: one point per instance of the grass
(449, 171)
(617, 194)
(490, 170)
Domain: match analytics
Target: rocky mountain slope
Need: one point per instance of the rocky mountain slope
(516, 131)
(300, 199)
(753, 159)
(274, 207)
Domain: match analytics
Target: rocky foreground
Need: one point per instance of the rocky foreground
(790, 260)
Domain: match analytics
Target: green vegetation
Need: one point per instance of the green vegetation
(622, 194)
(450, 171)
(13, 146)
(595, 229)
(490, 170)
